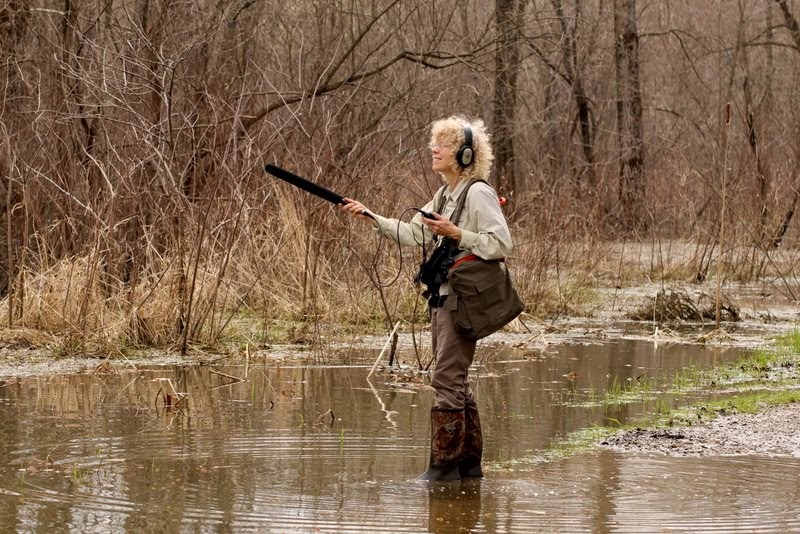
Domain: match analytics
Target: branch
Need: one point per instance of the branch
(358, 40)
(791, 23)
(422, 58)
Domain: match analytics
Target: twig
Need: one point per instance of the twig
(386, 346)
(246, 360)
(388, 413)
(234, 378)
(165, 397)
(329, 412)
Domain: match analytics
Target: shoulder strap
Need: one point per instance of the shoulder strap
(463, 200)
(459, 205)
(438, 205)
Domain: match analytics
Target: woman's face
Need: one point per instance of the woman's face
(444, 156)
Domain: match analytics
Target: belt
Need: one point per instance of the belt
(437, 301)
(469, 257)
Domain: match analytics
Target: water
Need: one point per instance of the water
(300, 448)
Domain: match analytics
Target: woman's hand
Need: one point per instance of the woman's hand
(442, 226)
(356, 209)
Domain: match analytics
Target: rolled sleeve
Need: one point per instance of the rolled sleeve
(405, 233)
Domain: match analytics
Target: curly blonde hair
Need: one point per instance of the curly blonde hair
(450, 132)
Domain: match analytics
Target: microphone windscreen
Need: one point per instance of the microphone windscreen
(305, 185)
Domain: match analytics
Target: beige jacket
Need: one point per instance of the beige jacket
(484, 231)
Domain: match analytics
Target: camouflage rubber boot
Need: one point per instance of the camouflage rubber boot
(470, 465)
(447, 444)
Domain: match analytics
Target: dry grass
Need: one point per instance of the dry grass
(292, 277)
(135, 211)
(23, 338)
(230, 270)
(289, 274)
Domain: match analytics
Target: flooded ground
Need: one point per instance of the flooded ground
(319, 448)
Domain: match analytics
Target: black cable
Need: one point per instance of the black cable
(373, 265)
(380, 286)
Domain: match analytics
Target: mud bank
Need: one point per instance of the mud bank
(775, 431)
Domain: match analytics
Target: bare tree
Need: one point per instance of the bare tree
(630, 130)
(779, 233)
(135, 135)
(509, 16)
(573, 74)
(14, 20)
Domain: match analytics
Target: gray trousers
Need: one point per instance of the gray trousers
(454, 354)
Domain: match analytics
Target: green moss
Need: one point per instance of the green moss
(760, 379)
(751, 402)
(790, 342)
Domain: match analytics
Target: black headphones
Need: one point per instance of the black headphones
(465, 153)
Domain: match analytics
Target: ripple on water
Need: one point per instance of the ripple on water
(597, 493)
(231, 461)
(712, 494)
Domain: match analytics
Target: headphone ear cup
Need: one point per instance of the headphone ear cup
(465, 155)
(465, 152)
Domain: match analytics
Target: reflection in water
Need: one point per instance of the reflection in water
(454, 507)
(316, 449)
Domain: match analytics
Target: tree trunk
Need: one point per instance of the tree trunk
(14, 20)
(629, 116)
(509, 18)
(763, 178)
(574, 76)
(794, 30)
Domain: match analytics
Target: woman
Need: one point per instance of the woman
(461, 153)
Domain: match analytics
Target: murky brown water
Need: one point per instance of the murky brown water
(319, 449)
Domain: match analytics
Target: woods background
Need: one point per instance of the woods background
(135, 208)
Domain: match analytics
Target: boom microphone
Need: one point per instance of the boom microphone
(306, 185)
